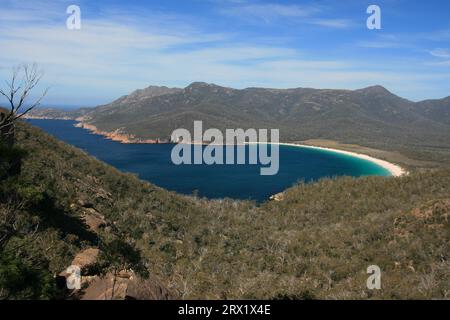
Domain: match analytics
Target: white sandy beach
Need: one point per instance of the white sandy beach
(394, 169)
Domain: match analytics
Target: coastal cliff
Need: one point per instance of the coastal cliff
(119, 135)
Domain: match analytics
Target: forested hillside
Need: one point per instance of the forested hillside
(316, 243)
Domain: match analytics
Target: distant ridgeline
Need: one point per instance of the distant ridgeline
(372, 116)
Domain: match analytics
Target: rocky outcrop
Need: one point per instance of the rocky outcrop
(124, 285)
(93, 219)
(86, 259)
(127, 286)
(119, 135)
(277, 197)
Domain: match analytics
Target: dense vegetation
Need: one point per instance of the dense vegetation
(316, 243)
(41, 210)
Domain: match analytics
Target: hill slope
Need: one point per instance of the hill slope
(438, 110)
(316, 243)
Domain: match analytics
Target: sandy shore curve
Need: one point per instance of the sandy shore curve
(394, 169)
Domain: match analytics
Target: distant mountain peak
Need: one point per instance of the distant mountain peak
(376, 89)
(206, 88)
(149, 92)
(199, 84)
(153, 90)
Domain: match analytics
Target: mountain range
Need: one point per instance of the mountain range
(372, 116)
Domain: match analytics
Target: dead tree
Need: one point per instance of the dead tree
(23, 80)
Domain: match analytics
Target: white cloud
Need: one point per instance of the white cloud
(445, 63)
(440, 53)
(379, 44)
(438, 36)
(269, 12)
(274, 13)
(115, 54)
(333, 23)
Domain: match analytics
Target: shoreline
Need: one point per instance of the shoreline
(394, 169)
(121, 137)
(117, 135)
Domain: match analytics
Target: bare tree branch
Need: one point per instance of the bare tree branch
(17, 93)
(34, 105)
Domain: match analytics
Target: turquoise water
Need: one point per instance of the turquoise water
(152, 162)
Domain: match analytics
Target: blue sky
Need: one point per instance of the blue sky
(125, 45)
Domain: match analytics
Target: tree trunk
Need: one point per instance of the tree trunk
(7, 135)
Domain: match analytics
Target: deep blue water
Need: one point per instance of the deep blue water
(152, 162)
